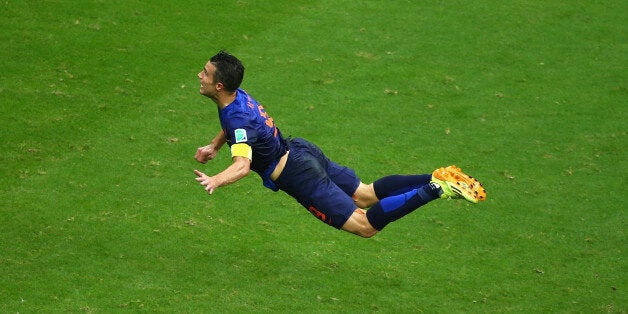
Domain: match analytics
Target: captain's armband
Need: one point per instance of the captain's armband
(242, 150)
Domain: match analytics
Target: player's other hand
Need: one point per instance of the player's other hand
(206, 181)
(205, 153)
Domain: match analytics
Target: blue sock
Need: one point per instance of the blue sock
(394, 207)
(399, 184)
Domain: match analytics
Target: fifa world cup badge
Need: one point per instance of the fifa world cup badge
(240, 135)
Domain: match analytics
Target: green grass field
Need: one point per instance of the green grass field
(101, 117)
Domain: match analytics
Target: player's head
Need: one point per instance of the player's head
(229, 70)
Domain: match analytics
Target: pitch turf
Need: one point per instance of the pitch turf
(100, 119)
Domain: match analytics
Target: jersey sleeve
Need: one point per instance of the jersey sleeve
(240, 130)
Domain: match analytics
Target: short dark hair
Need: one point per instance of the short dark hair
(229, 70)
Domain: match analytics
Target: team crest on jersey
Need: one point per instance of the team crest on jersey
(240, 135)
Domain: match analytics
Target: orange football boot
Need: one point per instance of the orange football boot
(456, 184)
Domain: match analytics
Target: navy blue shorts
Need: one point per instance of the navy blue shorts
(319, 184)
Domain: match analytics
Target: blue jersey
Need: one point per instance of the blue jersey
(246, 121)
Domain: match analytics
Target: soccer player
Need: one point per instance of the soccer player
(331, 192)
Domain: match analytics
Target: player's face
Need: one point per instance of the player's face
(206, 77)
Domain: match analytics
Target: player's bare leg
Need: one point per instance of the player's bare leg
(401, 195)
(359, 224)
(364, 196)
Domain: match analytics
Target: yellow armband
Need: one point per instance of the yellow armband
(242, 150)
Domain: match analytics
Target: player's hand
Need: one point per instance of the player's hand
(205, 153)
(208, 182)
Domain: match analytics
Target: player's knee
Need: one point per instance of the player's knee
(368, 233)
(364, 196)
(358, 224)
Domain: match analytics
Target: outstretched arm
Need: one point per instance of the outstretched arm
(239, 169)
(209, 152)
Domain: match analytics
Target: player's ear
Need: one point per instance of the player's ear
(220, 86)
